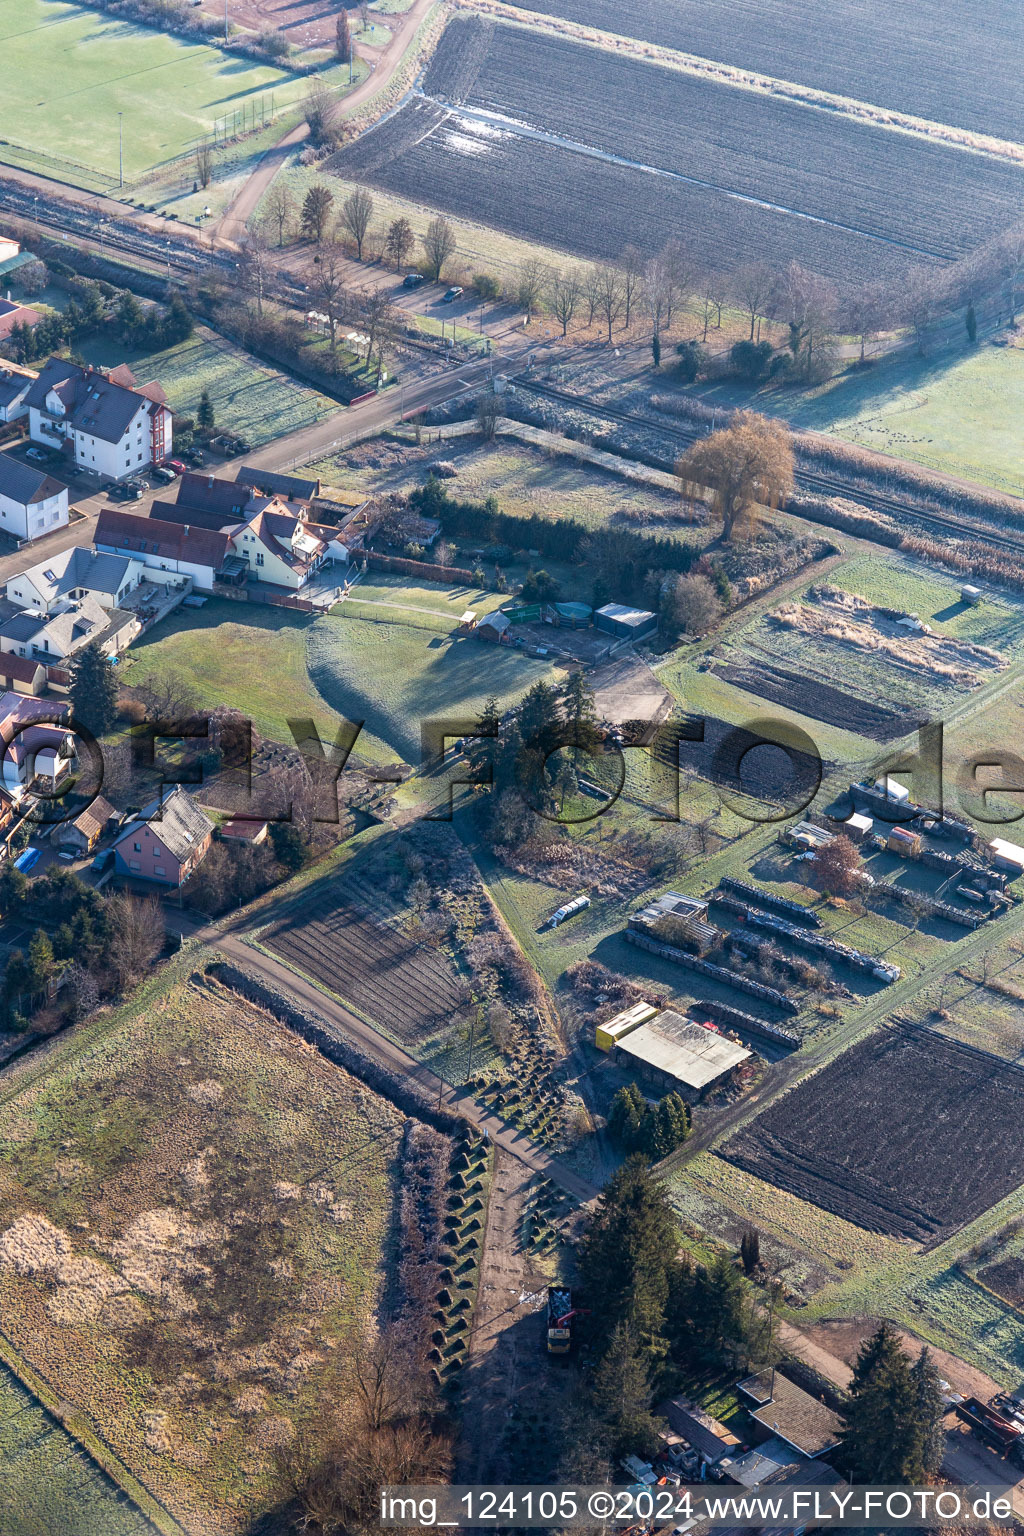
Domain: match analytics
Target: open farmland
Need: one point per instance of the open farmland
(526, 131)
(68, 72)
(904, 1133)
(352, 941)
(854, 53)
(194, 1212)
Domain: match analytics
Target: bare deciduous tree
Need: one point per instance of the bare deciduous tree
(279, 209)
(532, 277)
(753, 286)
(379, 317)
(253, 268)
(863, 314)
(632, 267)
(610, 296)
(564, 296)
(356, 213)
(326, 283)
(319, 110)
(919, 304)
(137, 935)
(204, 163)
(438, 246)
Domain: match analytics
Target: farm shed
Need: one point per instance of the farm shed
(791, 1414)
(609, 1034)
(88, 827)
(624, 622)
(857, 827)
(1008, 856)
(494, 628)
(805, 835)
(674, 1052)
(906, 844)
(672, 904)
(242, 831)
(971, 595)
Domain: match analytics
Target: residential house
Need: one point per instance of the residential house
(73, 574)
(788, 1413)
(267, 483)
(13, 314)
(32, 502)
(167, 843)
(104, 421)
(37, 744)
(278, 547)
(54, 637)
(176, 548)
(83, 833)
(22, 674)
(15, 383)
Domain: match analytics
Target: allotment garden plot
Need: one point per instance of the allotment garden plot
(348, 938)
(905, 1133)
(194, 1217)
(853, 55)
(539, 136)
(843, 658)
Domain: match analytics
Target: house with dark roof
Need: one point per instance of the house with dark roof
(22, 674)
(32, 502)
(54, 637)
(167, 843)
(786, 1412)
(178, 548)
(15, 383)
(103, 421)
(267, 483)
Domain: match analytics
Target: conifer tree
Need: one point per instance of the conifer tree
(883, 1442)
(627, 1254)
(93, 689)
(621, 1395)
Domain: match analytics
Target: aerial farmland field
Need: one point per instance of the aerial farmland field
(855, 54)
(194, 1215)
(69, 72)
(906, 1133)
(539, 136)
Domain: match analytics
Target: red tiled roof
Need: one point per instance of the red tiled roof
(131, 533)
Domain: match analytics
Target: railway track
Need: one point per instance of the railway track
(114, 238)
(814, 481)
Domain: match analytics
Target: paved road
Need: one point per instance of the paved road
(336, 1015)
(347, 426)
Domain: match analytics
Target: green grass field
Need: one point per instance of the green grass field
(190, 1135)
(961, 418)
(48, 1481)
(246, 655)
(69, 72)
(248, 397)
(389, 669)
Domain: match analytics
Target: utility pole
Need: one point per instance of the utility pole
(120, 149)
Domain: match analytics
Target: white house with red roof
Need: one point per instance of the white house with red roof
(36, 743)
(103, 420)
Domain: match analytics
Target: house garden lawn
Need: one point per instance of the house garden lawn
(69, 71)
(246, 655)
(248, 397)
(137, 1150)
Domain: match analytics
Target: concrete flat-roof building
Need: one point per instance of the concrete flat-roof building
(675, 1053)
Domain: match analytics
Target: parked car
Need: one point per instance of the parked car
(102, 860)
(413, 280)
(68, 855)
(452, 294)
(38, 454)
(176, 465)
(164, 473)
(196, 457)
